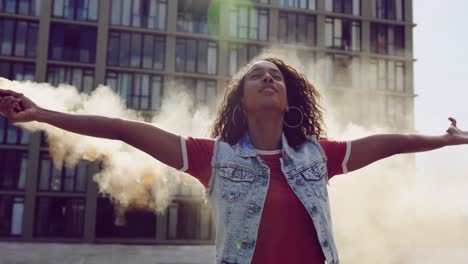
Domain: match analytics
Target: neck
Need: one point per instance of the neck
(265, 130)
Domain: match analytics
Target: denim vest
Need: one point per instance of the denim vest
(238, 188)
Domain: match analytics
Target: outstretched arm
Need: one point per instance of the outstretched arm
(160, 144)
(367, 150)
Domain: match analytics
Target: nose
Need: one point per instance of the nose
(267, 78)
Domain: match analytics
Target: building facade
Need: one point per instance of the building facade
(361, 50)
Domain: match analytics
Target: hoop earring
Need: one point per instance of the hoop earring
(302, 117)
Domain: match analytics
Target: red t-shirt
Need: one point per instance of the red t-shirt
(286, 233)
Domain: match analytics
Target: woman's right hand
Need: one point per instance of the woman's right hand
(17, 107)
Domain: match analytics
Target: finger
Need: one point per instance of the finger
(453, 121)
(10, 92)
(18, 107)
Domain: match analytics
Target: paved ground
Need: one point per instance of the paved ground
(42, 253)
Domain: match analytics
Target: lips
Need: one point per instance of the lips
(269, 87)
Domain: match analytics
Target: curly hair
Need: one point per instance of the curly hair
(231, 123)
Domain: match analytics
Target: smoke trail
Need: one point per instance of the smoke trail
(129, 177)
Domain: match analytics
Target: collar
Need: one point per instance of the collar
(245, 149)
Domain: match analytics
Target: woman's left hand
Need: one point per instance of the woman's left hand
(455, 135)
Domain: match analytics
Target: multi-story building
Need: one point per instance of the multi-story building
(361, 49)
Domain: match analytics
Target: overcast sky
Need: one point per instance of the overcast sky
(441, 83)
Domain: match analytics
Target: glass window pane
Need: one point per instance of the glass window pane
(202, 55)
(32, 40)
(17, 216)
(113, 51)
(7, 37)
(59, 217)
(253, 29)
(136, 51)
(159, 52)
(23, 171)
(191, 55)
(243, 22)
(233, 55)
(69, 178)
(356, 36)
(88, 83)
(126, 9)
(329, 5)
(162, 16)
(44, 174)
(116, 13)
(233, 27)
(263, 31)
(81, 177)
(10, 6)
(356, 7)
(124, 59)
(58, 8)
(212, 58)
(329, 33)
(93, 8)
(399, 9)
(77, 76)
(148, 42)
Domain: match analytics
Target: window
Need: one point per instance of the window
(59, 217)
(203, 91)
(388, 9)
(387, 75)
(17, 71)
(72, 43)
(136, 50)
(352, 7)
(13, 166)
(21, 7)
(342, 34)
(13, 135)
(387, 39)
(139, 13)
(140, 91)
(304, 4)
(132, 224)
(193, 17)
(240, 55)
(188, 220)
(65, 179)
(297, 28)
(18, 38)
(11, 215)
(200, 56)
(76, 9)
(248, 23)
(10, 134)
(82, 79)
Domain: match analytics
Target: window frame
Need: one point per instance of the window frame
(183, 49)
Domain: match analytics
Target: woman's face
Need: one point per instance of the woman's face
(264, 88)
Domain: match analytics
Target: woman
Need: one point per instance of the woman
(266, 172)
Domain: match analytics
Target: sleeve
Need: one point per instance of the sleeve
(197, 154)
(337, 153)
